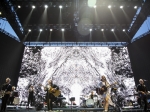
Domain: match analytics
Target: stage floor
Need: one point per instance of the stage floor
(77, 109)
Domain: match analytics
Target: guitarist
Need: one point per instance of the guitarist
(6, 88)
(142, 91)
(105, 92)
(49, 94)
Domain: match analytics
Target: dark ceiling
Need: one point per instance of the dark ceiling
(76, 17)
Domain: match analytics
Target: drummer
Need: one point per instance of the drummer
(91, 95)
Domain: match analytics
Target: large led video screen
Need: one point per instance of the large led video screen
(76, 70)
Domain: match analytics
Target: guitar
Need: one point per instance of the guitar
(2, 93)
(103, 89)
(55, 92)
(142, 93)
(52, 90)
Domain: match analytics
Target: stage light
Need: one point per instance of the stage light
(112, 30)
(102, 29)
(90, 29)
(121, 7)
(0, 13)
(94, 6)
(109, 6)
(51, 29)
(19, 6)
(62, 29)
(135, 7)
(41, 30)
(60, 6)
(123, 30)
(29, 30)
(46, 6)
(33, 7)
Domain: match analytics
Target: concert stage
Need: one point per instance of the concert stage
(77, 109)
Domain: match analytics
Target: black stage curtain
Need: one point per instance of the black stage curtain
(139, 52)
(11, 53)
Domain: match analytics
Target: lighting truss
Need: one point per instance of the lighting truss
(118, 3)
(42, 0)
(105, 27)
(14, 14)
(140, 18)
(11, 16)
(8, 34)
(143, 35)
(29, 3)
(77, 44)
(48, 27)
(115, 3)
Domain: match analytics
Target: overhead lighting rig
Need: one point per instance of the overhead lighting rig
(77, 44)
(49, 27)
(38, 4)
(119, 3)
(105, 27)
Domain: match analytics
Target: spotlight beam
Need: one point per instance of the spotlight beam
(28, 18)
(50, 36)
(63, 36)
(38, 36)
(90, 36)
(116, 36)
(26, 36)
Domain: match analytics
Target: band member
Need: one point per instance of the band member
(12, 96)
(6, 88)
(50, 88)
(105, 92)
(142, 90)
(31, 95)
(92, 95)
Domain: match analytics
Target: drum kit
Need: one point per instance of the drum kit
(88, 102)
(117, 97)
